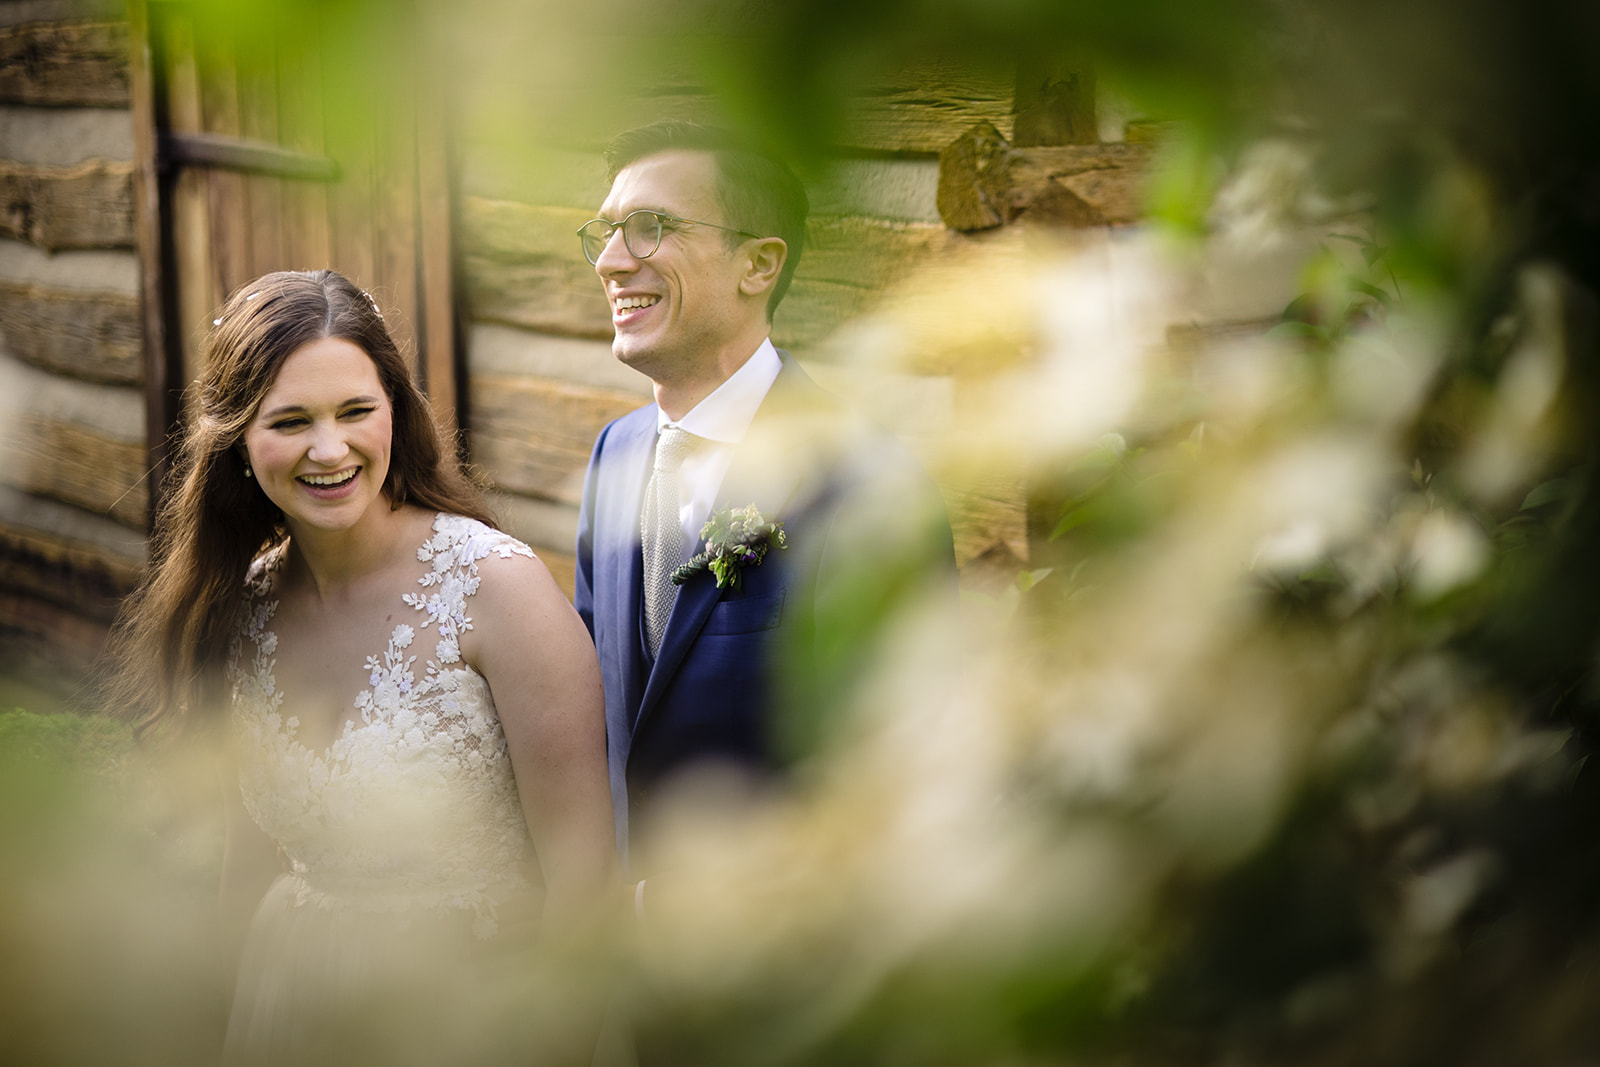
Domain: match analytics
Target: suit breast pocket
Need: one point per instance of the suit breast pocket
(746, 615)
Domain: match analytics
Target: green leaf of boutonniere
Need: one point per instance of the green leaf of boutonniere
(735, 538)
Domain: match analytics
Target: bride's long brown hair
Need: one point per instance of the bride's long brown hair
(171, 639)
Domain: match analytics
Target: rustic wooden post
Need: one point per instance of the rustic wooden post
(162, 363)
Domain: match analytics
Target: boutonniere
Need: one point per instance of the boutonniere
(735, 538)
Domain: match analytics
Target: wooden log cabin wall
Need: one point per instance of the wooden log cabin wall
(73, 497)
(153, 157)
(138, 194)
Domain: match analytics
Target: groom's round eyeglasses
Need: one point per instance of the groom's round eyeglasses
(641, 233)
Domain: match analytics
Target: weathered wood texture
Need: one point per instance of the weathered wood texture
(925, 106)
(984, 182)
(523, 268)
(43, 641)
(845, 268)
(1055, 106)
(549, 528)
(158, 367)
(496, 349)
(73, 574)
(85, 206)
(77, 465)
(94, 336)
(58, 596)
(914, 110)
(291, 86)
(72, 64)
(989, 518)
(533, 436)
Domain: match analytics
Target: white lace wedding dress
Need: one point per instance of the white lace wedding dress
(406, 843)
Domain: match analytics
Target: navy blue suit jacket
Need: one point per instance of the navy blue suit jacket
(710, 694)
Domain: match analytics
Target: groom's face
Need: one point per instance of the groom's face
(676, 308)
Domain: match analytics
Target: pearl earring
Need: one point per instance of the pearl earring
(248, 473)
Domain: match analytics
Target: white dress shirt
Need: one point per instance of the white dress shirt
(722, 419)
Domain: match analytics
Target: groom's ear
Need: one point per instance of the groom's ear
(766, 263)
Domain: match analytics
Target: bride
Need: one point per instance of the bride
(417, 775)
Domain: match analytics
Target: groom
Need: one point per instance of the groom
(695, 246)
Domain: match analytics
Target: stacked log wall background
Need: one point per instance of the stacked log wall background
(72, 434)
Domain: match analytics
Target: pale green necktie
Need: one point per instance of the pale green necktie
(661, 534)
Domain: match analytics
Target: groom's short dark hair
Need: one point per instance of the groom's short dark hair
(758, 192)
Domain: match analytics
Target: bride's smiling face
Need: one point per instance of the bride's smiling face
(319, 443)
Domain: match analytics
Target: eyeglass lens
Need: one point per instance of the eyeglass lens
(641, 233)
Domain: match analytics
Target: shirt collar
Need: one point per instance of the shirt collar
(726, 414)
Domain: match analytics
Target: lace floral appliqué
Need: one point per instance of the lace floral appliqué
(414, 805)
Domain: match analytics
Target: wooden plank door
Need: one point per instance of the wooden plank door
(270, 137)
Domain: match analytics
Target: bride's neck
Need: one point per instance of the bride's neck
(332, 564)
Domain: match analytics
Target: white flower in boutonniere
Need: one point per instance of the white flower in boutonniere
(735, 538)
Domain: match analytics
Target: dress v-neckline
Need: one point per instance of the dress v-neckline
(290, 725)
(453, 548)
(367, 708)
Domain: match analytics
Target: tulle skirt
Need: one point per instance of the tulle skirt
(324, 983)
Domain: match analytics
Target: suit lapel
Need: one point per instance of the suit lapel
(767, 467)
(627, 472)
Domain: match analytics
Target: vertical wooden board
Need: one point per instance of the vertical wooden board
(436, 298)
(258, 121)
(191, 225)
(395, 205)
(308, 238)
(159, 404)
(219, 102)
(350, 202)
(351, 137)
(190, 206)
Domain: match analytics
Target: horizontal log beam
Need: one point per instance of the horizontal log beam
(845, 268)
(533, 436)
(65, 64)
(77, 465)
(523, 267)
(813, 309)
(89, 205)
(45, 640)
(76, 575)
(495, 349)
(94, 336)
(925, 106)
(913, 111)
(984, 182)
